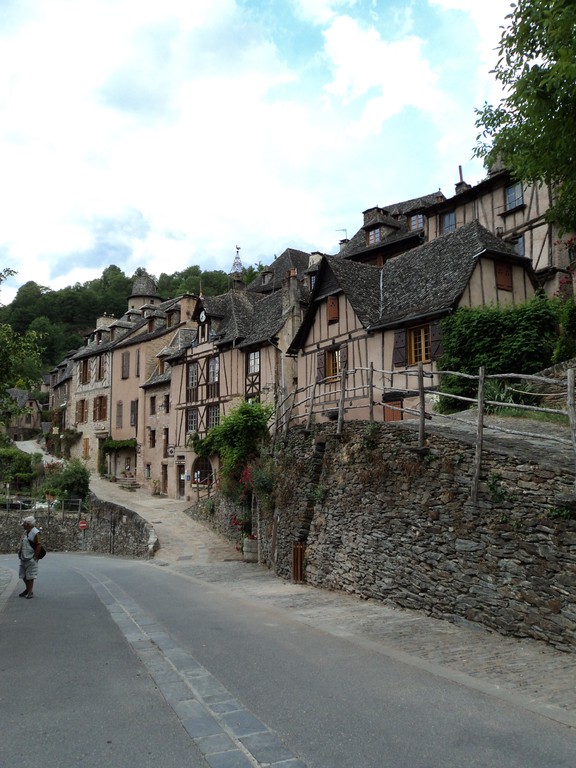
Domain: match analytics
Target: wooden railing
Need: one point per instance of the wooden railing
(302, 405)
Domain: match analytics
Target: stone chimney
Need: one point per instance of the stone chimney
(461, 186)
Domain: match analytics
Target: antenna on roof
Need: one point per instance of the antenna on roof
(345, 232)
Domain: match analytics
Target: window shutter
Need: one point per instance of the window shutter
(399, 356)
(504, 277)
(344, 357)
(435, 341)
(320, 366)
(332, 309)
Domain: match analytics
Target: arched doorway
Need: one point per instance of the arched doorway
(202, 472)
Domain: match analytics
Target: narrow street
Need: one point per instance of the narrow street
(127, 663)
(195, 658)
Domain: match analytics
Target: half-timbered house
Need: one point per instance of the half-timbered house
(367, 328)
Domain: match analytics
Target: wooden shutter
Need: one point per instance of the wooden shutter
(320, 366)
(435, 341)
(399, 357)
(344, 357)
(504, 277)
(332, 309)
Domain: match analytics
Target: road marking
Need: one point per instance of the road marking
(226, 733)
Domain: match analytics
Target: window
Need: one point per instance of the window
(147, 471)
(213, 377)
(213, 416)
(504, 277)
(330, 363)
(192, 383)
(152, 438)
(125, 365)
(165, 442)
(416, 221)
(166, 403)
(191, 420)
(373, 236)
(254, 362)
(86, 448)
(419, 345)
(448, 222)
(332, 309)
(84, 371)
(514, 196)
(133, 412)
(153, 405)
(119, 413)
(100, 411)
(100, 367)
(519, 245)
(81, 411)
(137, 362)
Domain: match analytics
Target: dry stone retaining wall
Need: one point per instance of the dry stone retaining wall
(394, 523)
(112, 529)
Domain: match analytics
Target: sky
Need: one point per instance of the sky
(167, 134)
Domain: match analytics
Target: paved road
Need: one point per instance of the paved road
(524, 674)
(127, 663)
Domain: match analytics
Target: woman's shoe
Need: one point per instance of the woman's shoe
(23, 594)
(30, 595)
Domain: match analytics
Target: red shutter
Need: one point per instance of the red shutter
(399, 357)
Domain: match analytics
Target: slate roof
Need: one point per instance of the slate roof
(394, 240)
(290, 259)
(426, 281)
(431, 278)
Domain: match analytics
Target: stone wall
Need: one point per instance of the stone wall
(112, 529)
(385, 520)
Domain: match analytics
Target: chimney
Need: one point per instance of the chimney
(290, 291)
(461, 186)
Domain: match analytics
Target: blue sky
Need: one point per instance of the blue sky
(162, 135)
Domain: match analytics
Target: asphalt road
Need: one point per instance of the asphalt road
(126, 663)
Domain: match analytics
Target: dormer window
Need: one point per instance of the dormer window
(266, 277)
(415, 222)
(374, 236)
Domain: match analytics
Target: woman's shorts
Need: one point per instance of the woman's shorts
(28, 569)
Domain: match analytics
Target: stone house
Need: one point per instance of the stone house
(513, 211)
(238, 353)
(370, 327)
(27, 421)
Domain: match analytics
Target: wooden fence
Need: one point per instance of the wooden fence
(305, 403)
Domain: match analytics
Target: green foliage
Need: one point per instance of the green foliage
(514, 339)
(566, 345)
(19, 366)
(71, 478)
(14, 465)
(237, 439)
(110, 446)
(533, 128)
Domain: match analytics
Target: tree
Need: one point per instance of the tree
(20, 364)
(533, 128)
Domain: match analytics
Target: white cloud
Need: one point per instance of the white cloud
(161, 134)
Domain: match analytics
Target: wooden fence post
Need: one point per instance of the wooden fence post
(421, 427)
(341, 402)
(371, 390)
(571, 407)
(312, 397)
(479, 437)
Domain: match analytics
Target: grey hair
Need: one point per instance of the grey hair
(30, 519)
